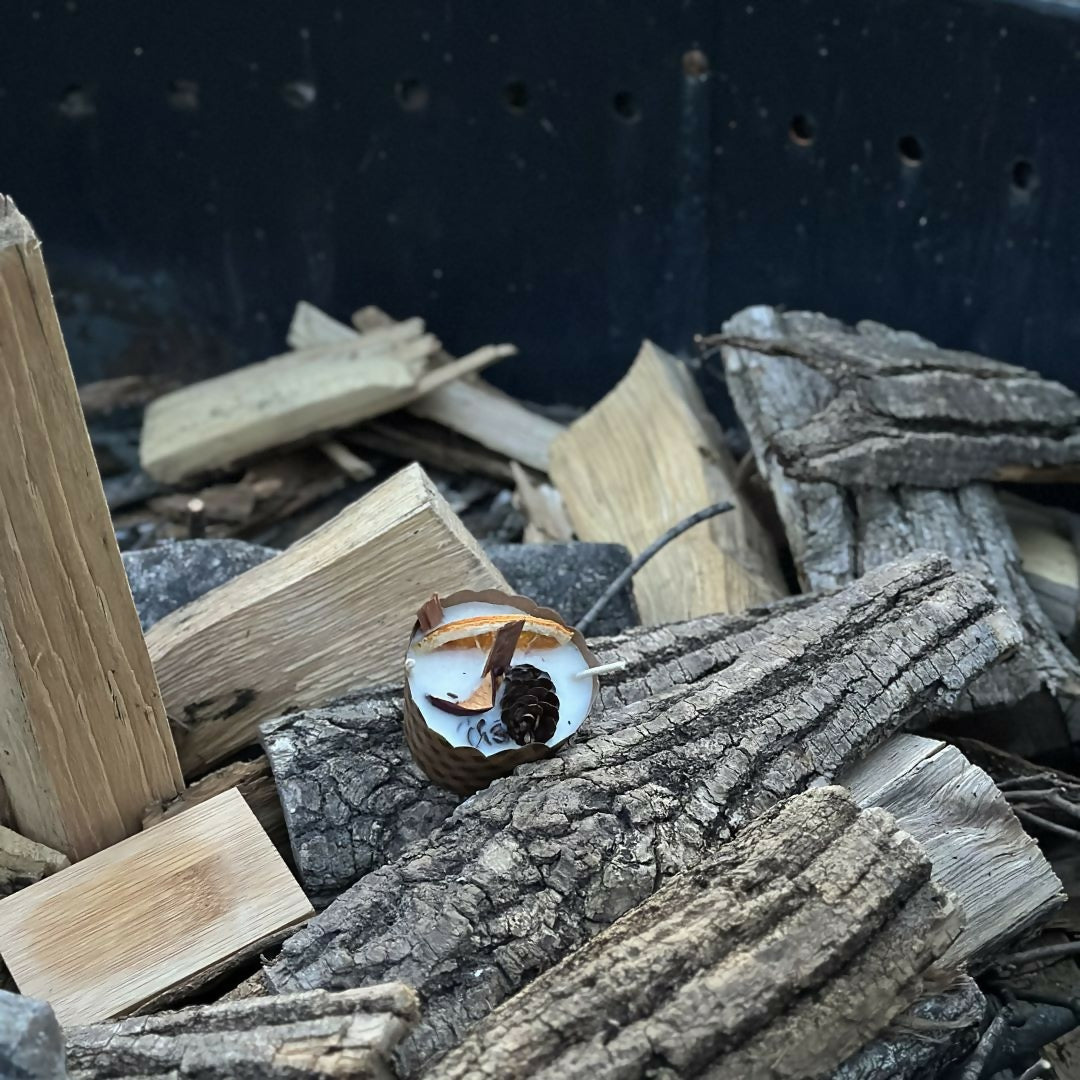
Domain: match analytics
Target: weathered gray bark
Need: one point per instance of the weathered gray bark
(778, 957)
(891, 408)
(309, 1035)
(925, 1041)
(352, 796)
(529, 869)
(842, 522)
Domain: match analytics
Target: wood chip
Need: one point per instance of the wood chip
(99, 938)
(646, 456)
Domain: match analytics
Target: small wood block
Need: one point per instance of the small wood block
(101, 937)
(643, 458)
(330, 614)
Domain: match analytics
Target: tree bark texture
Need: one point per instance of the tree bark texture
(883, 408)
(785, 371)
(353, 797)
(310, 1035)
(527, 870)
(776, 958)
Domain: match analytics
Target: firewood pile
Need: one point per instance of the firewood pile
(365, 721)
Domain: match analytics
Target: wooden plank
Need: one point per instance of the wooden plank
(476, 409)
(330, 614)
(279, 401)
(646, 456)
(101, 937)
(979, 850)
(84, 745)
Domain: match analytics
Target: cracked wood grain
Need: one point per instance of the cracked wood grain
(315, 1035)
(784, 370)
(352, 797)
(84, 743)
(891, 408)
(777, 957)
(529, 869)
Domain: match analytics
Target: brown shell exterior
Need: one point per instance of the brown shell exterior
(464, 769)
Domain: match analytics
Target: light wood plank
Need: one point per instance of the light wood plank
(103, 936)
(219, 421)
(643, 458)
(475, 408)
(84, 745)
(330, 614)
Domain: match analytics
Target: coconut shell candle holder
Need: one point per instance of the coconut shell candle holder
(491, 681)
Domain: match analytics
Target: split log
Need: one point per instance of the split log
(476, 409)
(214, 423)
(352, 796)
(979, 850)
(22, 862)
(546, 521)
(643, 458)
(325, 387)
(837, 532)
(778, 957)
(879, 408)
(251, 778)
(103, 936)
(529, 869)
(316, 1035)
(1046, 538)
(84, 744)
(330, 614)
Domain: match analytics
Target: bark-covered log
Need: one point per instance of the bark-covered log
(778, 957)
(353, 797)
(309, 1035)
(842, 523)
(920, 1045)
(529, 869)
(885, 408)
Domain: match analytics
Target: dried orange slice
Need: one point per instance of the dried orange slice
(479, 633)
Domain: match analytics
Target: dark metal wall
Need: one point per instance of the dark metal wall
(569, 176)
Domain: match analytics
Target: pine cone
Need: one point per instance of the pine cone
(530, 706)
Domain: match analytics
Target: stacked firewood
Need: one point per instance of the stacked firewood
(811, 826)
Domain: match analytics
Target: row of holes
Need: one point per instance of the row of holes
(802, 132)
(77, 102)
(413, 96)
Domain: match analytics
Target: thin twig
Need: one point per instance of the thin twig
(1042, 799)
(973, 1067)
(1045, 823)
(1021, 781)
(1040, 1068)
(1037, 955)
(619, 583)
